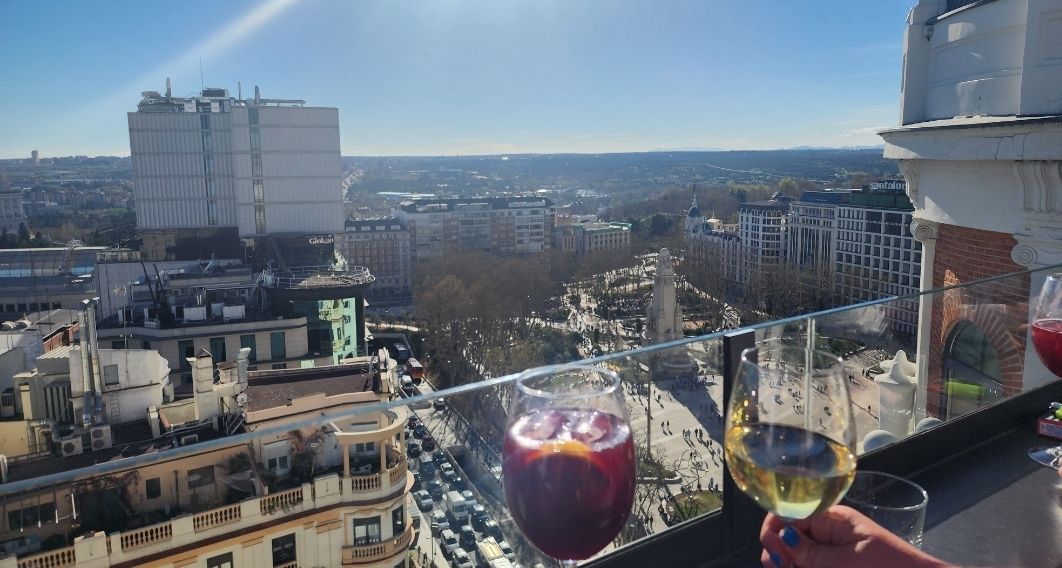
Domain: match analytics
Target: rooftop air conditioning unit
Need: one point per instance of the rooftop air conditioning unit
(71, 446)
(101, 437)
(189, 439)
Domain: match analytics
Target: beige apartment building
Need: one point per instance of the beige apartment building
(265, 489)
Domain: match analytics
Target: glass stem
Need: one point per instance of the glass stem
(569, 563)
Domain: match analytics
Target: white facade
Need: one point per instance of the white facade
(810, 227)
(498, 225)
(221, 162)
(761, 226)
(877, 256)
(11, 212)
(980, 145)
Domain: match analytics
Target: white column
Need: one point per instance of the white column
(926, 233)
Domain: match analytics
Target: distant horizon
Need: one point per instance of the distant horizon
(507, 154)
(468, 77)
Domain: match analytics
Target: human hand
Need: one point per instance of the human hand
(841, 537)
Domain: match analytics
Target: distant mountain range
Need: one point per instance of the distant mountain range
(705, 149)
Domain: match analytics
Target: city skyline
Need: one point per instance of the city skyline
(471, 77)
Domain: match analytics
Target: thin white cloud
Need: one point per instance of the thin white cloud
(187, 62)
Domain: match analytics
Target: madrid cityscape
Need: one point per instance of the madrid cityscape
(464, 283)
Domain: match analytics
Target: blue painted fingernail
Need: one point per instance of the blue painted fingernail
(790, 537)
(776, 559)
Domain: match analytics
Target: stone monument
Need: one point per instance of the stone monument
(664, 323)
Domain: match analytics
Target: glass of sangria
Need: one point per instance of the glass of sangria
(790, 439)
(568, 466)
(1046, 335)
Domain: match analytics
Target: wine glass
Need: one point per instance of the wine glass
(568, 465)
(1047, 339)
(790, 438)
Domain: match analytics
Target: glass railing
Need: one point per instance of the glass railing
(912, 362)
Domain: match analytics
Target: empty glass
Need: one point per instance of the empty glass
(893, 502)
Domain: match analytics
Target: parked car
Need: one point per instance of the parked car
(413, 421)
(479, 516)
(439, 522)
(448, 475)
(448, 541)
(417, 483)
(445, 467)
(413, 449)
(436, 489)
(459, 484)
(424, 500)
(507, 550)
(439, 404)
(461, 559)
(428, 443)
(491, 528)
(420, 430)
(439, 458)
(468, 538)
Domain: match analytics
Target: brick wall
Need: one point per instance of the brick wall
(1000, 309)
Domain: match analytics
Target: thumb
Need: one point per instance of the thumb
(807, 553)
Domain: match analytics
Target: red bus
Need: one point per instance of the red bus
(415, 370)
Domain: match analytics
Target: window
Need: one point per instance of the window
(284, 549)
(220, 561)
(398, 520)
(259, 191)
(277, 347)
(259, 220)
(249, 342)
(185, 350)
(217, 348)
(31, 516)
(366, 531)
(278, 464)
(153, 488)
(201, 477)
(110, 374)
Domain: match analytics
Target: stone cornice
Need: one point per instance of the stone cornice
(980, 141)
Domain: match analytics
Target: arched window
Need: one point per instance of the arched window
(972, 376)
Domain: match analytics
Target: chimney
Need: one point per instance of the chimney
(242, 359)
(206, 401)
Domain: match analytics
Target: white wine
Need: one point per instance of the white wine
(791, 472)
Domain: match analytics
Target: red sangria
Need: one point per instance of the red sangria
(569, 479)
(1047, 338)
(568, 466)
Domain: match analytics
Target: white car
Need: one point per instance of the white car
(424, 500)
(507, 551)
(461, 559)
(448, 541)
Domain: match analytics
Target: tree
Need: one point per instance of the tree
(23, 233)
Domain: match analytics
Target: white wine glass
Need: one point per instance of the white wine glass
(790, 437)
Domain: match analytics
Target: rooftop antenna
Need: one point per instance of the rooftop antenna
(202, 83)
(239, 91)
(169, 88)
(257, 96)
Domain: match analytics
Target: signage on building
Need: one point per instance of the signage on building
(889, 185)
(321, 240)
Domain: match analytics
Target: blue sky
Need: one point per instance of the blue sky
(467, 77)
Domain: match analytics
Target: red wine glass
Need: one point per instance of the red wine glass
(1046, 332)
(568, 466)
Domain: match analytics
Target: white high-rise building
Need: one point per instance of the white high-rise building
(762, 230)
(212, 169)
(810, 227)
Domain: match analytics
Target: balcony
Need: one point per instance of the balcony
(982, 488)
(355, 555)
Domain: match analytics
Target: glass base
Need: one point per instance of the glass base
(1050, 457)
